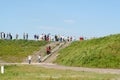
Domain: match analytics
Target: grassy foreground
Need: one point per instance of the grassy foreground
(30, 72)
(101, 52)
(17, 50)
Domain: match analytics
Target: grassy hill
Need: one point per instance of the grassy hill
(17, 50)
(101, 52)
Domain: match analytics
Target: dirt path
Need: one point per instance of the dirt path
(97, 70)
(60, 67)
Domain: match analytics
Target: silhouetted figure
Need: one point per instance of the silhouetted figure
(56, 38)
(45, 37)
(68, 39)
(10, 35)
(17, 36)
(1, 35)
(71, 38)
(37, 37)
(24, 36)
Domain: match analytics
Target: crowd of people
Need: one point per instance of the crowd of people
(5, 36)
(38, 37)
(9, 36)
(49, 37)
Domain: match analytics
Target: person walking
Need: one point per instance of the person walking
(39, 58)
(47, 50)
(29, 59)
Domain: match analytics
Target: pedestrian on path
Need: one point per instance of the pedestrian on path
(29, 59)
(39, 58)
(48, 50)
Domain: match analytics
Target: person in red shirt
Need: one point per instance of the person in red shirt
(48, 50)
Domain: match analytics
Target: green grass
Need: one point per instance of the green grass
(30, 72)
(17, 50)
(101, 52)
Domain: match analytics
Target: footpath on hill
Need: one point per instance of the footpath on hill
(41, 52)
(54, 53)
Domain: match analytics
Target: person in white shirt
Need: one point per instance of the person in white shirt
(39, 58)
(29, 59)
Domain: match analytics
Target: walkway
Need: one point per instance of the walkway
(60, 67)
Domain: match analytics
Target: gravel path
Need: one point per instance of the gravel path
(60, 67)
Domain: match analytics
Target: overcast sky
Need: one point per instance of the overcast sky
(89, 18)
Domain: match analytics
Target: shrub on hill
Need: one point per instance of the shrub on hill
(101, 52)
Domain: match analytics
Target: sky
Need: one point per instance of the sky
(87, 18)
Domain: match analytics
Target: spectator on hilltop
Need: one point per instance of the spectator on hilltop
(81, 38)
(71, 38)
(45, 37)
(35, 37)
(56, 38)
(10, 35)
(17, 36)
(68, 39)
(24, 36)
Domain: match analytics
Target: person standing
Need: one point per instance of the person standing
(39, 58)
(29, 59)
(16, 36)
(24, 36)
(1, 35)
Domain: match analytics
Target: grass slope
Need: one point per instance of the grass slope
(17, 50)
(101, 52)
(29, 72)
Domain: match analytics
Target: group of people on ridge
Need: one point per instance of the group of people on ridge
(37, 37)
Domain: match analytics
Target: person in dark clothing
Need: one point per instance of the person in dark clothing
(10, 35)
(3, 35)
(17, 36)
(49, 49)
(26, 36)
(35, 37)
(45, 37)
(56, 38)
